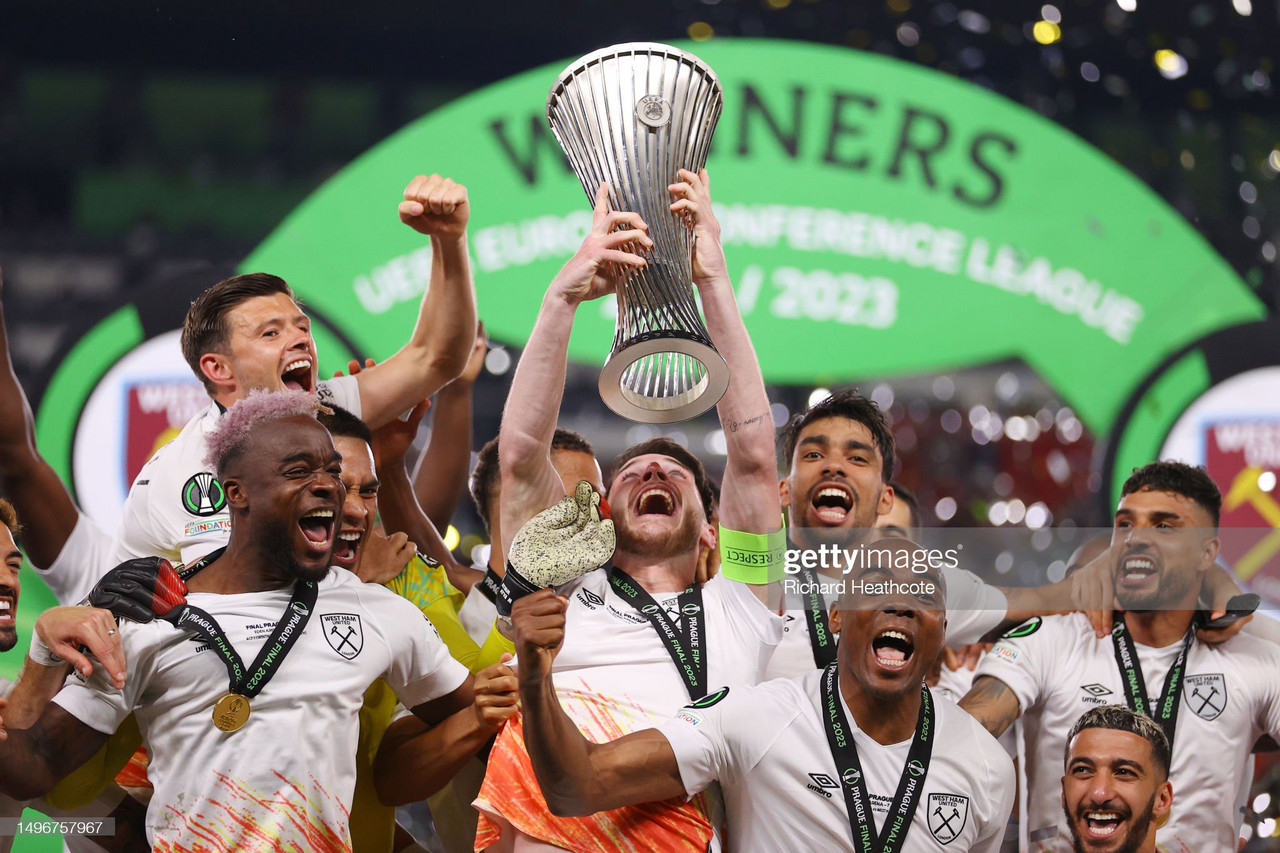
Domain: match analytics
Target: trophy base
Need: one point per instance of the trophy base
(663, 380)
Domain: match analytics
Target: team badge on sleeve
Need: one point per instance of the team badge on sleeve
(1206, 695)
(343, 633)
(947, 815)
(202, 495)
(710, 699)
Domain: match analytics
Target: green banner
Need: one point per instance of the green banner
(879, 218)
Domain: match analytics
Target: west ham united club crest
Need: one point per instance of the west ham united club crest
(947, 815)
(1206, 695)
(343, 633)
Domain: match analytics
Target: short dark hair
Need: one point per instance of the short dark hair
(9, 518)
(1119, 718)
(205, 328)
(1190, 481)
(908, 497)
(666, 447)
(340, 422)
(847, 404)
(486, 477)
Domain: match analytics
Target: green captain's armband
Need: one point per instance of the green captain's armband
(753, 557)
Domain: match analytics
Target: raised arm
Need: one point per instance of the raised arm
(48, 514)
(579, 777)
(992, 704)
(442, 338)
(530, 483)
(749, 491)
(441, 475)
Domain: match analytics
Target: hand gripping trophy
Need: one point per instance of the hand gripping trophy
(633, 115)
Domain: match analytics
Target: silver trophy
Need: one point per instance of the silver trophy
(632, 115)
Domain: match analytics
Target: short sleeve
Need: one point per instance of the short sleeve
(1022, 660)
(1269, 713)
(719, 737)
(748, 611)
(85, 557)
(341, 391)
(974, 607)
(421, 668)
(1001, 789)
(96, 702)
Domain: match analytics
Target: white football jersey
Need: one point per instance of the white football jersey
(1230, 696)
(285, 780)
(176, 508)
(973, 609)
(768, 748)
(614, 675)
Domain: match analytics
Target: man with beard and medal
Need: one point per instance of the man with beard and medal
(1213, 701)
(858, 756)
(1115, 786)
(643, 636)
(248, 695)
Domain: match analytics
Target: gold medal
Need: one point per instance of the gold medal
(231, 712)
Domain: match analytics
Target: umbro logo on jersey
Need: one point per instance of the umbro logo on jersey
(1095, 690)
(1205, 695)
(821, 783)
(203, 495)
(947, 814)
(590, 599)
(343, 633)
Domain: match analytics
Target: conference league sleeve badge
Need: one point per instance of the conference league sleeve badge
(203, 495)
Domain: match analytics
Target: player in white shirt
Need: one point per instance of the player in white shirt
(1216, 700)
(620, 662)
(248, 332)
(1115, 785)
(796, 757)
(261, 755)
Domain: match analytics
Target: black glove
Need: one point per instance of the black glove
(139, 590)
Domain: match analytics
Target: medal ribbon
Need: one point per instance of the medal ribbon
(691, 663)
(287, 631)
(821, 640)
(1135, 687)
(893, 834)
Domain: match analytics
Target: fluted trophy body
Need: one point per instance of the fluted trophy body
(633, 115)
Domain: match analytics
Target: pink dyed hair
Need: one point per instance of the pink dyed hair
(231, 436)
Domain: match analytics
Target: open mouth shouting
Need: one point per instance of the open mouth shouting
(8, 608)
(892, 649)
(655, 500)
(317, 532)
(296, 375)
(346, 548)
(832, 502)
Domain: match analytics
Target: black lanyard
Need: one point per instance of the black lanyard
(1135, 687)
(821, 640)
(685, 647)
(287, 631)
(490, 585)
(893, 834)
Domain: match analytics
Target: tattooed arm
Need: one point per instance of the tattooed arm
(33, 760)
(992, 704)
